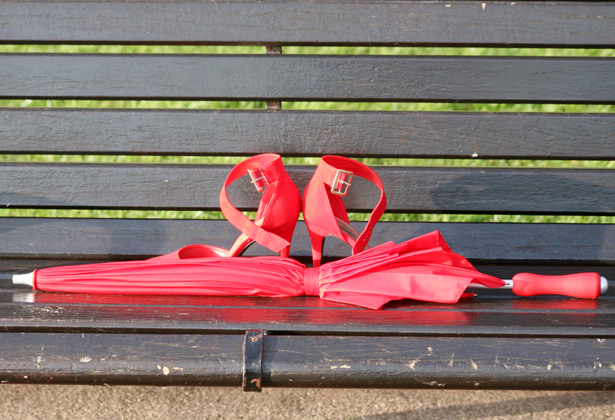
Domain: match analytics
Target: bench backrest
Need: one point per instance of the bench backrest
(273, 78)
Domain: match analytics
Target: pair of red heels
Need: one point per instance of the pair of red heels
(323, 209)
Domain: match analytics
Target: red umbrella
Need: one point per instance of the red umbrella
(423, 268)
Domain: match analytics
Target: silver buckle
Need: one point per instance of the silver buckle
(343, 190)
(258, 179)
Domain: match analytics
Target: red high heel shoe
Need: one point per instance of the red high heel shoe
(276, 216)
(324, 211)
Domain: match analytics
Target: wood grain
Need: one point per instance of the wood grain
(505, 302)
(438, 363)
(308, 78)
(198, 340)
(88, 240)
(308, 133)
(309, 361)
(113, 359)
(400, 23)
(408, 189)
(547, 319)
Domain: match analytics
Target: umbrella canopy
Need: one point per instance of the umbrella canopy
(423, 268)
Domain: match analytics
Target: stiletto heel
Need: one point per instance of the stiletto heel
(317, 243)
(276, 216)
(324, 211)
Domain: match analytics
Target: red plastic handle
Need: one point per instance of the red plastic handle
(581, 285)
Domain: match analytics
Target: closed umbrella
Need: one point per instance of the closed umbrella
(422, 268)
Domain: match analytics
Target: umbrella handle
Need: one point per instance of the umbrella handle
(581, 285)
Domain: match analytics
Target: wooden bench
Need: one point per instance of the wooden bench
(494, 341)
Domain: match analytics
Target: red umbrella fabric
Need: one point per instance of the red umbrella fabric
(423, 268)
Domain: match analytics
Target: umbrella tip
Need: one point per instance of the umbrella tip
(27, 279)
(604, 285)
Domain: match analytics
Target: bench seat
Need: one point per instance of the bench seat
(487, 343)
(199, 340)
(540, 172)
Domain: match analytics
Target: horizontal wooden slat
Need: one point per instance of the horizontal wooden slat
(408, 189)
(440, 23)
(308, 133)
(43, 312)
(108, 239)
(503, 303)
(309, 361)
(307, 78)
(436, 363)
(113, 359)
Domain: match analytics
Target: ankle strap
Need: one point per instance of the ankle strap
(337, 172)
(266, 170)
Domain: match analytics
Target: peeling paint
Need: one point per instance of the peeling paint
(450, 363)
(474, 365)
(344, 367)
(483, 5)
(46, 309)
(165, 370)
(601, 340)
(549, 366)
(85, 359)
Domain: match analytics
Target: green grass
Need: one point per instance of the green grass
(443, 107)
(213, 49)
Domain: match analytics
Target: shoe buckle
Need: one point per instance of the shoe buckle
(341, 182)
(258, 179)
